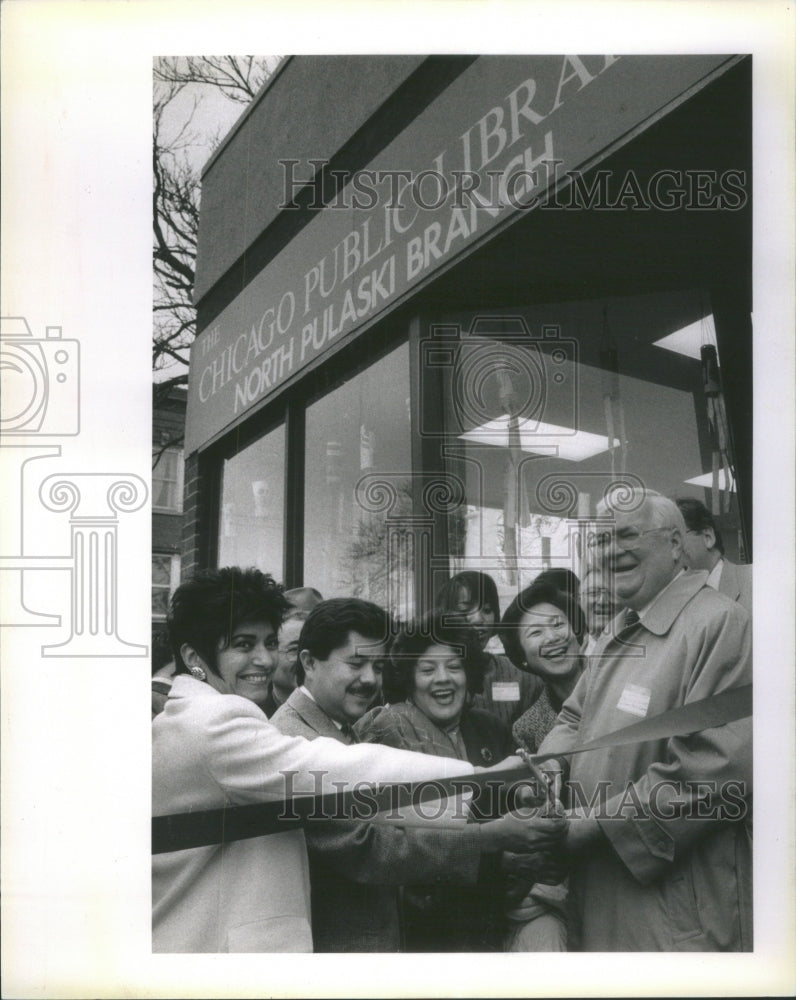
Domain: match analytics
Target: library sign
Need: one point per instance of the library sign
(502, 137)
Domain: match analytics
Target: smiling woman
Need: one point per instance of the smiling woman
(213, 749)
(440, 684)
(432, 670)
(431, 673)
(249, 661)
(541, 631)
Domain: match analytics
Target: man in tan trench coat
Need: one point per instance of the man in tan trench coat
(660, 832)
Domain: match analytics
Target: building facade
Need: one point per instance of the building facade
(445, 304)
(168, 468)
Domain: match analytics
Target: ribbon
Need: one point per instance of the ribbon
(717, 710)
(204, 828)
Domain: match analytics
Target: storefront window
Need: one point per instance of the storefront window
(545, 408)
(359, 434)
(250, 531)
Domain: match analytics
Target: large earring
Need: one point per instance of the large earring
(198, 674)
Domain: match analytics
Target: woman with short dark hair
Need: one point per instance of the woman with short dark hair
(212, 748)
(432, 671)
(542, 631)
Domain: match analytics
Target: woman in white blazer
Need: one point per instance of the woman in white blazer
(214, 748)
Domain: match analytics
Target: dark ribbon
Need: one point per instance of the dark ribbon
(180, 831)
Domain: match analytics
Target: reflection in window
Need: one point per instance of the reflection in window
(361, 428)
(571, 398)
(167, 480)
(252, 506)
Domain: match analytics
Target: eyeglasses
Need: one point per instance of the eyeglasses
(625, 538)
(596, 593)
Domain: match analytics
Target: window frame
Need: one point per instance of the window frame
(179, 482)
(331, 370)
(174, 579)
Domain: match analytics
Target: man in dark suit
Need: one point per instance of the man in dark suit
(704, 549)
(356, 867)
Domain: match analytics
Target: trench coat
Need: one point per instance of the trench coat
(212, 750)
(673, 868)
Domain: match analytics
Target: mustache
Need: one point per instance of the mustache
(367, 690)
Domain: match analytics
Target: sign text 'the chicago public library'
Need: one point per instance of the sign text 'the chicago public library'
(497, 141)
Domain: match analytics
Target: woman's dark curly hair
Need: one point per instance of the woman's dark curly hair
(205, 611)
(398, 677)
(543, 590)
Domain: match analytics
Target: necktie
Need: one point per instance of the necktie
(347, 730)
(631, 619)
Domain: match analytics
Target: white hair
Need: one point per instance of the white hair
(662, 512)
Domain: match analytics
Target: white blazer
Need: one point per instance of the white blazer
(211, 750)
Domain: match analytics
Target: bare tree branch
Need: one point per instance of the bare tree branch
(238, 77)
(175, 191)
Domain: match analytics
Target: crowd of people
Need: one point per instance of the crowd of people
(634, 846)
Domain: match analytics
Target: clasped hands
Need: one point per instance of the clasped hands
(531, 835)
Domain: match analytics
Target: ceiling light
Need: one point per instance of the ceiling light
(688, 340)
(706, 480)
(539, 438)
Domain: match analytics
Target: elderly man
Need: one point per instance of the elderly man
(659, 833)
(355, 867)
(598, 603)
(703, 548)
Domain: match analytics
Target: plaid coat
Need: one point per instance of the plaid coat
(487, 740)
(450, 919)
(355, 867)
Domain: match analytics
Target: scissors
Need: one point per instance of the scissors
(540, 777)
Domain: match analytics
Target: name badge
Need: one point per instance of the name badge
(635, 700)
(505, 691)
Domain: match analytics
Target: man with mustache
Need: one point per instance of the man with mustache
(660, 833)
(355, 867)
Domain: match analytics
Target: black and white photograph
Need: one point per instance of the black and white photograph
(438, 386)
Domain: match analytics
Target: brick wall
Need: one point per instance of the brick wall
(191, 519)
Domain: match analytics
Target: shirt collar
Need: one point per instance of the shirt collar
(714, 577)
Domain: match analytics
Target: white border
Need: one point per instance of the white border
(76, 245)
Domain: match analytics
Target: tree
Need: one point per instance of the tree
(177, 147)
(238, 77)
